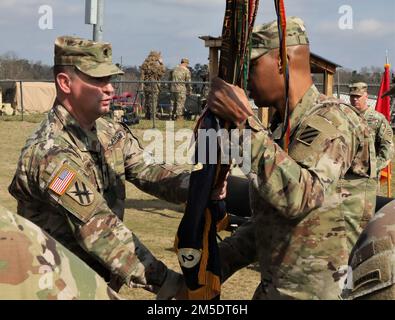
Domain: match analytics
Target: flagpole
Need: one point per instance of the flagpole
(389, 180)
(387, 65)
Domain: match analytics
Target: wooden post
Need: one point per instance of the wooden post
(213, 62)
(328, 83)
(389, 178)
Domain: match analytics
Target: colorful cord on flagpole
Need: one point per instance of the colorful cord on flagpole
(283, 64)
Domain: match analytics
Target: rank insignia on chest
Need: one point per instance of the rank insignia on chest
(308, 135)
(81, 193)
(62, 180)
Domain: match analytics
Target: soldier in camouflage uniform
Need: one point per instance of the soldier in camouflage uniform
(298, 231)
(34, 266)
(380, 128)
(152, 69)
(70, 178)
(179, 91)
(372, 260)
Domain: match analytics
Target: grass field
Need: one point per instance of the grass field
(154, 221)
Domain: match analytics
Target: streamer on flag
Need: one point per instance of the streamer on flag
(196, 243)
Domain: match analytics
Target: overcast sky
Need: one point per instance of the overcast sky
(134, 27)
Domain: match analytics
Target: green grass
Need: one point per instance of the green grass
(33, 118)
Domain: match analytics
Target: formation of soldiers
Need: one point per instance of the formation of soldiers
(310, 204)
(152, 71)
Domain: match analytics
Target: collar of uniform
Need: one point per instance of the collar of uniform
(300, 111)
(85, 140)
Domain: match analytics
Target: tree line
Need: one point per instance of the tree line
(14, 67)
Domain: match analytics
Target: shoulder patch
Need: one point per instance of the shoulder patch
(308, 135)
(73, 191)
(81, 193)
(62, 180)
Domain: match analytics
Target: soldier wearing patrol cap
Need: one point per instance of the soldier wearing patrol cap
(380, 129)
(70, 178)
(179, 89)
(300, 225)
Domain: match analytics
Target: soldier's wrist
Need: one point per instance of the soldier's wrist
(172, 283)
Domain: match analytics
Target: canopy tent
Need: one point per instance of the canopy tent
(38, 97)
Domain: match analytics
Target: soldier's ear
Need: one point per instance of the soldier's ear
(63, 81)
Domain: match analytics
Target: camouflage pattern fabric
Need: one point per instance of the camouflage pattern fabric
(265, 36)
(89, 57)
(372, 260)
(358, 88)
(382, 135)
(152, 69)
(71, 182)
(180, 74)
(299, 231)
(150, 103)
(179, 90)
(34, 266)
(177, 100)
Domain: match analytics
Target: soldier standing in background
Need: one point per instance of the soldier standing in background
(152, 69)
(380, 128)
(179, 91)
(297, 231)
(371, 273)
(35, 266)
(70, 177)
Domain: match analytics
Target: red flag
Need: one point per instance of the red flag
(383, 106)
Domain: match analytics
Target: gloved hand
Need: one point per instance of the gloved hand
(172, 287)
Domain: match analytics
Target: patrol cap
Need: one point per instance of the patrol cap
(89, 57)
(358, 88)
(265, 37)
(185, 60)
(390, 92)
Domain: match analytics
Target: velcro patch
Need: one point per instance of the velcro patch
(308, 135)
(81, 193)
(372, 276)
(62, 180)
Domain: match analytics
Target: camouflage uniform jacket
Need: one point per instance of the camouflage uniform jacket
(372, 260)
(71, 182)
(381, 132)
(34, 266)
(180, 74)
(298, 231)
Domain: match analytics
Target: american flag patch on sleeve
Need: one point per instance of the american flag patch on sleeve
(62, 180)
